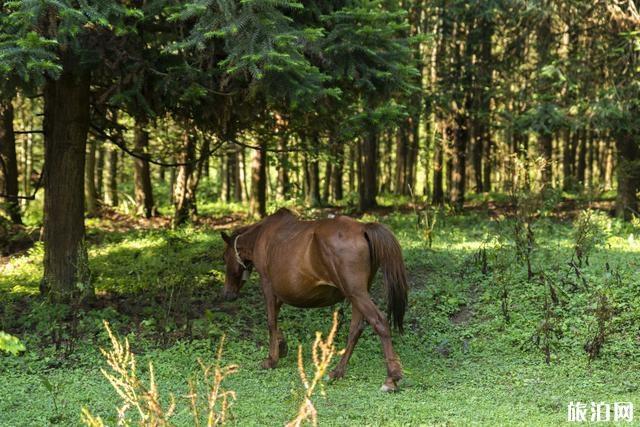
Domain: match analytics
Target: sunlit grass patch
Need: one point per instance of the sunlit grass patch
(471, 352)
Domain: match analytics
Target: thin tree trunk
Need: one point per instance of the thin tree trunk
(402, 158)
(196, 178)
(9, 183)
(486, 64)
(568, 156)
(258, 201)
(459, 164)
(488, 163)
(111, 191)
(234, 182)
(142, 172)
(352, 167)
(369, 166)
(183, 200)
(544, 85)
(246, 175)
(386, 178)
(438, 163)
(172, 185)
(100, 155)
(477, 151)
(66, 123)
(313, 173)
(590, 157)
(337, 173)
(582, 157)
(326, 185)
(27, 161)
(284, 185)
(628, 175)
(90, 194)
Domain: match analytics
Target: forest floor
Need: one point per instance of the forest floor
(478, 330)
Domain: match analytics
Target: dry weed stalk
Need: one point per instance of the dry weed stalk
(146, 399)
(322, 352)
(213, 377)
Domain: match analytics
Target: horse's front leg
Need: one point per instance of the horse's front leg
(275, 337)
(355, 330)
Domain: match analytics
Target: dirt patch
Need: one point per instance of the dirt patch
(462, 316)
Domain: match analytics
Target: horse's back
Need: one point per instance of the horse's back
(311, 263)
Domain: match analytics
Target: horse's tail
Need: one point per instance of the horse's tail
(387, 254)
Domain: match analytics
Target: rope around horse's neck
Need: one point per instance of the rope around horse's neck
(235, 248)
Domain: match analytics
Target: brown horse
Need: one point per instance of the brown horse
(317, 264)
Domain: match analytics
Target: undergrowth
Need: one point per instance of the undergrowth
(490, 324)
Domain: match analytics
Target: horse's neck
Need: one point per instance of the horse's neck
(247, 240)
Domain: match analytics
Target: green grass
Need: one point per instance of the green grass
(464, 362)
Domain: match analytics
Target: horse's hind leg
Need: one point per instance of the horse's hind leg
(355, 330)
(276, 340)
(379, 324)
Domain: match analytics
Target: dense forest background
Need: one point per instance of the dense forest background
(331, 102)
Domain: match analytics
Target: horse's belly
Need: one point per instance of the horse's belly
(321, 295)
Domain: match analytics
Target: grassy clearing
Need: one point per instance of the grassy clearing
(478, 332)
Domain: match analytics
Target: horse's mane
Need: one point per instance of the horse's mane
(282, 212)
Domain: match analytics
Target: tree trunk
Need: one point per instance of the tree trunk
(183, 200)
(544, 39)
(485, 82)
(488, 163)
(111, 190)
(90, 194)
(142, 172)
(628, 175)
(459, 163)
(66, 123)
(313, 173)
(545, 140)
(196, 177)
(328, 171)
(172, 185)
(582, 157)
(385, 175)
(368, 187)
(100, 154)
(27, 160)
(284, 185)
(438, 163)
(258, 202)
(590, 157)
(9, 183)
(402, 158)
(234, 183)
(568, 156)
(477, 150)
(352, 167)
(337, 173)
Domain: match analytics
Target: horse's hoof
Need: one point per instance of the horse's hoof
(268, 364)
(389, 386)
(283, 348)
(336, 374)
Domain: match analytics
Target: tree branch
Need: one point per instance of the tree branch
(32, 196)
(24, 132)
(117, 141)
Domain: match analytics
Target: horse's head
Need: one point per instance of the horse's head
(237, 269)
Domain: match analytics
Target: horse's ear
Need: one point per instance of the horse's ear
(225, 237)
